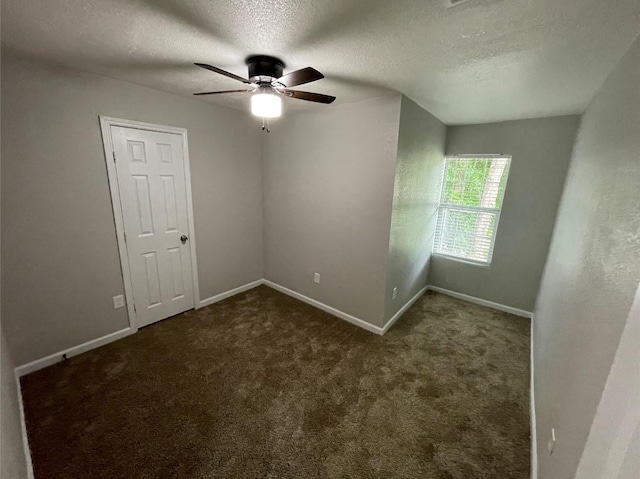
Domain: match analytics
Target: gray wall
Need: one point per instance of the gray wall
(12, 458)
(59, 251)
(541, 150)
(415, 203)
(593, 269)
(612, 449)
(328, 189)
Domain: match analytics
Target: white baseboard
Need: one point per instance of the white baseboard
(231, 292)
(326, 308)
(23, 426)
(81, 348)
(532, 396)
(532, 413)
(74, 351)
(483, 302)
(402, 310)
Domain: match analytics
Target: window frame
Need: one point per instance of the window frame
(477, 209)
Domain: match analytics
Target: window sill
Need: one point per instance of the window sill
(463, 260)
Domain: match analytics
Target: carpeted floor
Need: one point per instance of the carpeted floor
(264, 386)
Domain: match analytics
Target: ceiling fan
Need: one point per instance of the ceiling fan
(267, 83)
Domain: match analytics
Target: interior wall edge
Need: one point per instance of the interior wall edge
(532, 405)
(51, 359)
(483, 302)
(541, 151)
(610, 451)
(41, 104)
(36, 61)
(403, 310)
(326, 308)
(416, 193)
(14, 459)
(72, 351)
(228, 294)
(328, 189)
(23, 427)
(591, 273)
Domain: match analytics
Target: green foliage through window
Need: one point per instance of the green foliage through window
(471, 199)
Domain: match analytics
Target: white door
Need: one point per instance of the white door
(153, 197)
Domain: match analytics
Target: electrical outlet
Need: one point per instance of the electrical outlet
(316, 278)
(118, 301)
(394, 293)
(551, 445)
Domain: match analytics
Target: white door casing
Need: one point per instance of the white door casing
(150, 189)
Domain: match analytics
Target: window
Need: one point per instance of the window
(470, 204)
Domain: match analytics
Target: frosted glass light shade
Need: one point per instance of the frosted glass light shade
(266, 105)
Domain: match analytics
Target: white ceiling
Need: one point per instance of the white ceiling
(485, 60)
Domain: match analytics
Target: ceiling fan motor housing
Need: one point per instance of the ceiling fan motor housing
(264, 69)
(266, 73)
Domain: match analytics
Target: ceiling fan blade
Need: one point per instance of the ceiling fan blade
(305, 95)
(222, 72)
(218, 92)
(299, 77)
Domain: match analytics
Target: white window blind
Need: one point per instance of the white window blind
(470, 204)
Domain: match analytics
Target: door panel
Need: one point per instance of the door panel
(176, 273)
(152, 279)
(153, 195)
(143, 205)
(171, 208)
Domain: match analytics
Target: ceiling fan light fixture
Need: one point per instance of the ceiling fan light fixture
(267, 85)
(266, 105)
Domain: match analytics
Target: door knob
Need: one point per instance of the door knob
(184, 238)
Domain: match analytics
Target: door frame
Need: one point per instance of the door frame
(106, 122)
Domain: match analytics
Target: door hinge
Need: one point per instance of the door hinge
(134, 307)
(114, 156)
(125, 237)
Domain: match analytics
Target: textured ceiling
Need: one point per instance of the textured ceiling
(484, 60)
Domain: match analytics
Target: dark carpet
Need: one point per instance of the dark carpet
(263, 386)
